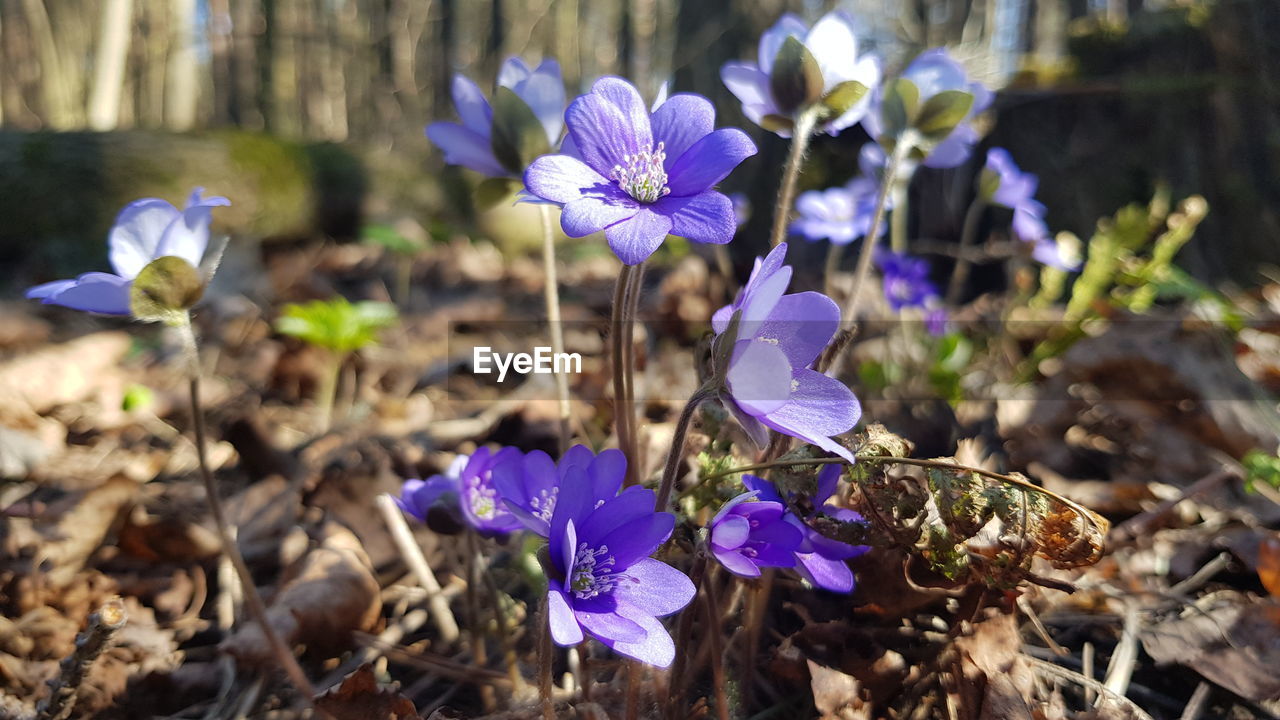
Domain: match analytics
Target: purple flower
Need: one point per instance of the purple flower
(839, 214)
(741, 207)
(747, 535)
(419, 497)
(606, 585)
(469, 483)
(768, 381)
(935, 321)
(531, 486)
(819, 559)
(1002, 183)
(832, 42)
(642, 177)
(906, 280)
(145, 230)
(934, 71)
(470, 143)
(1053, 253)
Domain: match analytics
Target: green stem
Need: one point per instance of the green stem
(629, 319)
(967, 236)
(676, 454)
(552, 296)
(873, 233)
(253, 601)
(899, 217)
(327, 393)
(621, 414)
(800, 136)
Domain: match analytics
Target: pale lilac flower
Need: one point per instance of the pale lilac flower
(769, 382)
(641, 177)
(839, 214)
(832, 42)
(605, 584)
(469, 143)
(934, 71)
(819, 559)
(144, 231)
(1002, 183)
(531, 486)
(748, 534)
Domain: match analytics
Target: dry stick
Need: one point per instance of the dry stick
(873, 233)
(252, 600)
(632, 710)
(545, 658)
(800, 136)
(1125, 657)
(963, 263)
(479, 654)
(1063, 673)
(552, 292)
(621, 416)
(1197, 702)
(90, 643)
(1140, 525)
(445, 622)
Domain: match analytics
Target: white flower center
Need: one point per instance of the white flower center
(545, 504)
(592, 572)
(483, 499)
(642, 175)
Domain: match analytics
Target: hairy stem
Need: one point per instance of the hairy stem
(546, 656)
(479, 654)
(252, 600)
(73, 669)
(327, 393)
(712, 607)
(898, 220)
(873, 233)
(619, 351)
(630, 310)
(835, 252)
(684, 634)
(552, 292)
(967, 236)
(676, 454)
(800, 136)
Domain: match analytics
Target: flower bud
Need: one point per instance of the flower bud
(165, 290)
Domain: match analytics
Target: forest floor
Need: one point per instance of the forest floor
(104, 510)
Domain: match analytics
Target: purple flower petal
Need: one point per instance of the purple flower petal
(828, 482)
(759, 377)
(730, 532)
(826, 573)
(638, 538)
(465, 147)
(94, 292)
(472, 107)
(565, 629)
(188, 237)
(655, 587)
(632, 504)
(602, 133)
(597, 211)
(606, 473)
(656, 648)
(765, 490)
(573, 504)
(627, 99)
(136, 235)
(608, 625)
(562, 179)
(751, 87)
(801, 324)
(49, 289)
(543, 92)
(709, 160)
(707, 217)
(681, 121)
(735, 562)
(833, 43)
(514, 71)
(633, 240)
(755, 430)
(818, 408)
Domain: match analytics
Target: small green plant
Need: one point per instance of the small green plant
(341, 328)
(402, 247)
(1260, 467)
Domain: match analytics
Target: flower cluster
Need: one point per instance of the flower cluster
(641, 176)
(768, 342)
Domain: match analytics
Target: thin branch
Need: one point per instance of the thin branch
(75, 667)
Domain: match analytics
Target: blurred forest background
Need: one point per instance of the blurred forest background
(309, 113)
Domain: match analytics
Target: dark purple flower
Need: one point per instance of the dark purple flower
(819, 559)
(419, 497)
(469, 143)
(906, 280)
(145, 230)
(607, 586)
(832, 42)
(768, 381)
(839, 214)
(934, 71)
(747, 535)
(531, 486)
(469, 483)
(640, 177)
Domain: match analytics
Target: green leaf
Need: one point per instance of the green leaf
(388, 237)
(844, 96)
(137, 397)
(774, 123)
(796, 79)
(165, 290)
(942, 113)
(492, 192)
(898, 109)
(518, 137)
(336, 325)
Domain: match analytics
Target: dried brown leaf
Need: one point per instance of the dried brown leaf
(360, 698)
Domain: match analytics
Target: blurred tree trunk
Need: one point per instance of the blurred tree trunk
(59, 102)
(182, 91)
(108, 66)
(219, 38)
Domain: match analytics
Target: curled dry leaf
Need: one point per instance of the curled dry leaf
(327, 596)
(360, 698)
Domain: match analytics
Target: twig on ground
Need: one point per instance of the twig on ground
(72, 670)
(1125, 657)
(1196, 704)
(441, 614)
